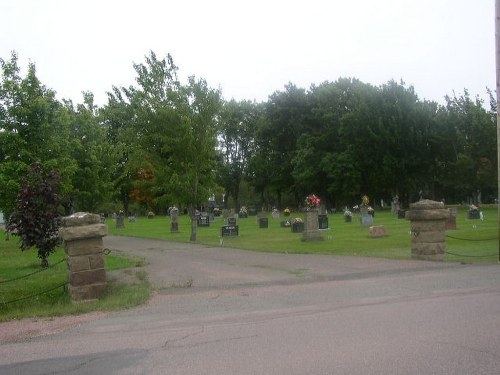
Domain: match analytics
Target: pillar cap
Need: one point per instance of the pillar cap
(80, 218)
(427, 204)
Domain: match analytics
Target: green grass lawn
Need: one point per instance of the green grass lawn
(43, 292)
(473, 240)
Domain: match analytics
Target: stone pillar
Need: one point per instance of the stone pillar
(428, 226)
(82, 234)
(311, 230)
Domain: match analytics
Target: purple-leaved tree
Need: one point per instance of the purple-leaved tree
(36, 217)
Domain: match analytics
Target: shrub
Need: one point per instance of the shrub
(36, 218)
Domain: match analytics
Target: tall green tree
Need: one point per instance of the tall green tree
(33, 127)
(237, 126)
(118, 116)
(93, 156)
(468, 156)
(276, 139)
(175, 126)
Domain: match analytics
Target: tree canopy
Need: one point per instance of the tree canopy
(163, 142)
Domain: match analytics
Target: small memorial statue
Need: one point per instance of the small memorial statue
(366, 217)
(174, 214)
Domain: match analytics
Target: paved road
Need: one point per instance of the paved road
(226, 311)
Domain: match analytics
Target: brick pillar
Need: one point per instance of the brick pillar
(82, 234)
(428, 226)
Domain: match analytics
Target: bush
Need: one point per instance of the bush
(36, 218)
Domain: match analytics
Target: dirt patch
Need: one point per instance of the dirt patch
(23, 329)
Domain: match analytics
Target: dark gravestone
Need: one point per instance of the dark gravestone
(473, 215)
(203, 221)
(323, 221)
(263, 222)
(297, 227)
(229, 231)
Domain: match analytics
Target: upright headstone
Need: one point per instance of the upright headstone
(174, 220)
(451, 223)
(82, 234)
(428, 225)
(203, 220)
(366, 218)
(395, 207)
(323, 221)
(120, 220)
(311, 227)
(263, 221)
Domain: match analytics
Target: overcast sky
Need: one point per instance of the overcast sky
(251, 49)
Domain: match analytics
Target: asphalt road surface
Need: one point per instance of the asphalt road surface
(225, 311)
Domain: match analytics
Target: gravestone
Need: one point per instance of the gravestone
(311, 227)
(263, 222)
(473, 215)
(203, 220)
(366, 218)
(231, 221)
(395, 206)
(377, 231)
(323, 221)
(451, 223)
(229, 231)
(276, 214)
(120, 220)
(297, 227)
(174, 224)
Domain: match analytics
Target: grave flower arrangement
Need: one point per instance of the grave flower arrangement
(365, 200)
(474, 212)
(312, 201)
(286, 211)
(243, 210)
(473, 208)
(347, 215)
(297, 225)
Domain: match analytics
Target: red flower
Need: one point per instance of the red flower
(312, 201)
